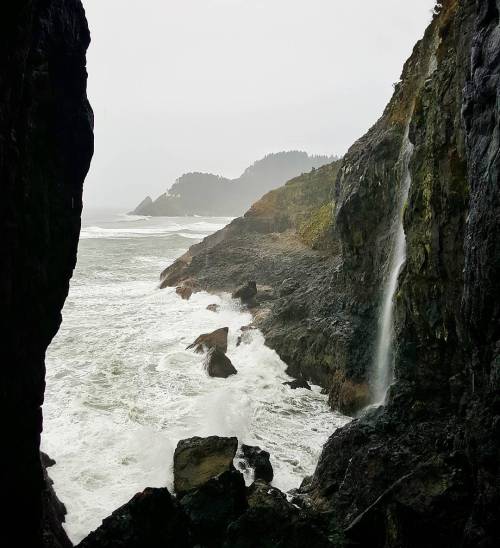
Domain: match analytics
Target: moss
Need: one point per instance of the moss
(314, 230)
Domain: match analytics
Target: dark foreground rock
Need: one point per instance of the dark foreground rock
(217, 340)
(219, 365)
(46, 143)
(54, 511)
(196, 460)
(214, 505)
(152, 519)
(259, 461)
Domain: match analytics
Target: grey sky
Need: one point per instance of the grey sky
(212, 85)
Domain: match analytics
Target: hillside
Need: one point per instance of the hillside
(212, 195)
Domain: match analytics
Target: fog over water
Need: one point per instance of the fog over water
(213, 85)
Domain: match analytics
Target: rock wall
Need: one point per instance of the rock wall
(424, 471)
(46, 144)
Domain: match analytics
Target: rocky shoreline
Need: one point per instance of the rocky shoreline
(421, 471)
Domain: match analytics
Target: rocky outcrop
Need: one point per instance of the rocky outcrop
(207, 341)
(212, 195)
(217, 364)
(45, 148)
(152, 518)
(196, 460)
(258, 461)
(219, 511)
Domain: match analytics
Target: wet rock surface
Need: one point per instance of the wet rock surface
(259, 461)
(215, 340)
(196, 460)
(219, 365)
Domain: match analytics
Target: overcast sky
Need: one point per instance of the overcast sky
(212, 85)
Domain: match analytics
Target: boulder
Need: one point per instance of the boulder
(206, 341)
(152, 518)
(214, 505)
(219, 365)
(213, 307)
(298, 383)
(184, 291)
(246, 293)
(197, 460)
(259, 461)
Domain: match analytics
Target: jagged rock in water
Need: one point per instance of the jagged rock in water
(246, 293)
(259, 461)
(152, 519)
(196, 460)
(215, 340)
(215, 504)
(46, 144)
(184, 291)
(298, 383)
(219, 365)
(213, 307)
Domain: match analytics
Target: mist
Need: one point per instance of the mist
(213, 85)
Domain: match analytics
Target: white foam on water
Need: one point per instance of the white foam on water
(122, 389)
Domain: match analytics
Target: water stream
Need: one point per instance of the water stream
(383, 370)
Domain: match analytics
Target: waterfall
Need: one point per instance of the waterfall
(383, 370)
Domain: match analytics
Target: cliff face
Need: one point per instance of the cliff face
(322, 314)
(46, 144)
(424, 470)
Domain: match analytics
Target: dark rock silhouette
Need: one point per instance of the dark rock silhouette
(259, 461)
(218, 364)
(152, 518)
(46, 143)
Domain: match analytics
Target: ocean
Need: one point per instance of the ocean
(122, 389)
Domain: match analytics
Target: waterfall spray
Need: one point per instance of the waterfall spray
(383, 370)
